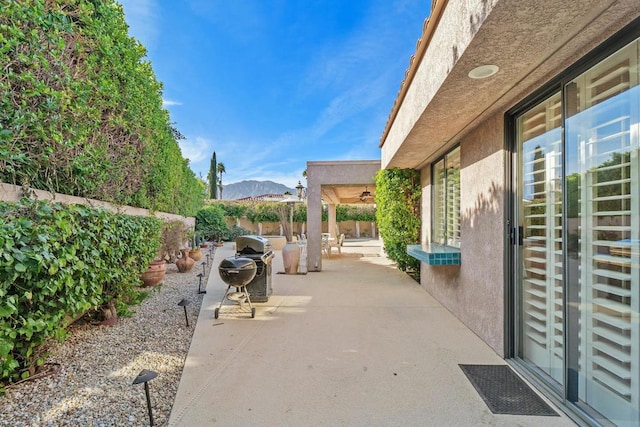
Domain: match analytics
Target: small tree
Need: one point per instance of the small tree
(220, 169)
(398, 213)
(213, 178)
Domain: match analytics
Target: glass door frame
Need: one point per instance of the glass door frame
(566, 395)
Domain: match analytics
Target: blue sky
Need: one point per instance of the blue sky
(271, 84)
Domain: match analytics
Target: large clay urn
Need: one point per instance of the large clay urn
(184, 263)
(154, 274)
(196, 254)
(291, 257)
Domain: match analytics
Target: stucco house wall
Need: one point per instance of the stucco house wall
(474, 290)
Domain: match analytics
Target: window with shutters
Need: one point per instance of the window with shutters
(446, 200)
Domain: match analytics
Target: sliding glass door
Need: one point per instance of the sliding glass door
(577, 274)
(540, 235)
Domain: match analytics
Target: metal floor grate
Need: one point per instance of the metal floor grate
(504, 392)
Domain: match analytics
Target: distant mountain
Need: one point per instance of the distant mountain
(250, 188)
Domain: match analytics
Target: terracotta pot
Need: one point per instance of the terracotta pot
(154, 274)
(291, 257)
(184, 263)
(196, 254)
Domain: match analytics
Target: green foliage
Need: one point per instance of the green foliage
(57, 262)
(300, 212)
(213, 178)
(264, 212)
(231, 233)
(234, 209)
(365, 213)
(210, 222)
(398, 213)
(81, 109)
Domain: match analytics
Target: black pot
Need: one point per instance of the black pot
(237, 271)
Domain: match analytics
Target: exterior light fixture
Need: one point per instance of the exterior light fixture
(483, 71)
(144, 377)
(208, 256)
(200, 291)
(299, 189)
(184, 303)
(204, 268)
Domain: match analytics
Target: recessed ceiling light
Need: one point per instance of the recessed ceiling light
(483, 71)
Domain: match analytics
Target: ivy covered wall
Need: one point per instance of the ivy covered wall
(81, 109)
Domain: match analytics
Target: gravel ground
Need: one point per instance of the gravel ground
(98, 364)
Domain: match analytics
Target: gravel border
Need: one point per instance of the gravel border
(99, 363)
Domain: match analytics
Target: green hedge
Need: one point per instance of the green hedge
(81, 109)
(398, 195)
(57, 262)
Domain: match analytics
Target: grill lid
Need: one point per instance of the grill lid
(237, 263)
(252, 245)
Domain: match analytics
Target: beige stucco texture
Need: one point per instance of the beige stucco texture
(529, 40)
(470, 291)
(327, 181)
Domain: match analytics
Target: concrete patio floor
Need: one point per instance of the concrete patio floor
(358, 344)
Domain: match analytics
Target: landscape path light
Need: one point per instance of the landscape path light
(184, 303)
(200, 291)
(144, 377)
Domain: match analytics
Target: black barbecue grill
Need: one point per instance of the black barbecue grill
(259, 250)
(237, 272)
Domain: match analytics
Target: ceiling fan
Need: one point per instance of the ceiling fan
(365, 195)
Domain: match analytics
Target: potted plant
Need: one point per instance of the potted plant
(200, 239)
(194, 249)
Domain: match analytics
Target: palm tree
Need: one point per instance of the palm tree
(220, 169)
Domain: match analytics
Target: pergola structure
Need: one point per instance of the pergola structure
(334, 183)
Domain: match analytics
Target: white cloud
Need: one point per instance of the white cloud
(168, 103)
(196, 149)
(143, 20)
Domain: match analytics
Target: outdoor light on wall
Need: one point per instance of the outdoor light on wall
(483, 71)
(144, 377)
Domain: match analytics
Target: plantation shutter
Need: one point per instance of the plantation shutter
(541, 160)
(607, 117)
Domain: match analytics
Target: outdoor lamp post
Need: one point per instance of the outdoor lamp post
(299, 189)
(291, 201)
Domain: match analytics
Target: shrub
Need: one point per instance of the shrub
(210, 222)
(57, 262)
(398, 213)
(233, 232)
(264, 212)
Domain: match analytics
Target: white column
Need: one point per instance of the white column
(332, 220)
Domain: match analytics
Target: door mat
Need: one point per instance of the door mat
(504, 392)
